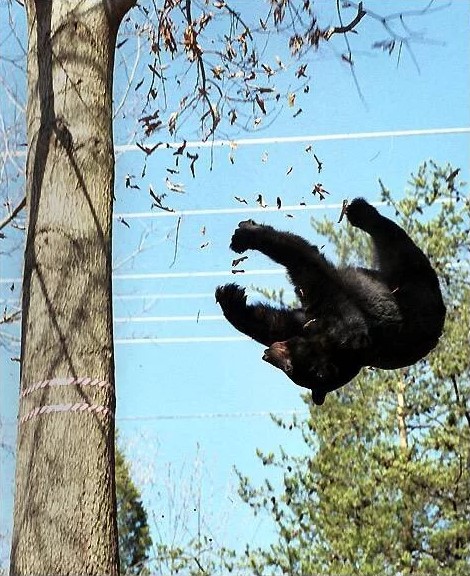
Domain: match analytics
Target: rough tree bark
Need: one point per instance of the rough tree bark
(65, 508)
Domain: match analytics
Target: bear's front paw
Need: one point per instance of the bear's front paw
(230, 297)
(243, 235)
(360, 213)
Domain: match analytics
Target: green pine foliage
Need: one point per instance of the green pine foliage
(383, 485)
(133, 529)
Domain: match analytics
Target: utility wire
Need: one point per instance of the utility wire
(193, 318)
(198, 416)
(166, 275)
(181, 340)
(122, 148)
(299, 139)
(241, 210)
(205, 415)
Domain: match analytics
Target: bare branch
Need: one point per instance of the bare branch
(348, 27)
(13, 214)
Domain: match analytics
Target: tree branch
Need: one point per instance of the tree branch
(348, 27)
(14, 214)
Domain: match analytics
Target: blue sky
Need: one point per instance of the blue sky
(198, 408)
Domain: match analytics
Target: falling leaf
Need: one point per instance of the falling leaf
(204, 245)
(179, 151)
(279, 203)
(280, 63)
(203, 231)
(269, 71)
(193, 158)
(129, 184)
(318, 189)
(260, 201)
(260, 103)
(121, 219)
(291, 99)
(344, 209)
(300, 73)
(158, 201)
(233, 116)
(237, 261)
(148, 150)
(319, 163)
(151, 123)
(174, 187)
(264, 157)
(289, 170)
(238, 271)
(172, 122)
(299, 111)
(242, 200)
(218, 72)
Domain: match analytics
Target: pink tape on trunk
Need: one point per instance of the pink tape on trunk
(76, 407)
(68, 381)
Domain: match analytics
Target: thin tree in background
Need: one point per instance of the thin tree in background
(133, 529)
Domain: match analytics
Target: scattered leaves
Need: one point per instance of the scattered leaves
(158, 201)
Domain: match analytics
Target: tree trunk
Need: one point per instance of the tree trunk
(401, 415)
(65, 505)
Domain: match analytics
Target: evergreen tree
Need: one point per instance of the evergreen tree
(383, 486)
(133, 529)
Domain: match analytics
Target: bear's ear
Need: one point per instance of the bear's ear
(279, 356)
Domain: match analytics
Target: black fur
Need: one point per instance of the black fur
(387, 317)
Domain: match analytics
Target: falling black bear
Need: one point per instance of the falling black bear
(387, 317)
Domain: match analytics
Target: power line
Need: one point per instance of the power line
(181, 340)
(241, 210)
(203, 274)
(122, 148)
(167, 275)
(299, 139)
(198, 416)
(162, 296)
(205, 415)
(174, 296)
(193, 318)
